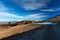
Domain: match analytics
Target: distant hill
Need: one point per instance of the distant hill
(53, 19)
(8, 23)
(28, 21)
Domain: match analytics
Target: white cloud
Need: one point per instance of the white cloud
(28, 6)
(17, 17)
(8, 19)
(32, 4)
(7, 14)
(48, 10)
(51, 10)
(36, 16)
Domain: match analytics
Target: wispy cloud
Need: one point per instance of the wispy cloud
(17, 17)
(11, 17)
(32, 4)
(7, 14)
(51, 10)
(36, 16)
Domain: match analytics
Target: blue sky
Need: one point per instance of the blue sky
(16, 10)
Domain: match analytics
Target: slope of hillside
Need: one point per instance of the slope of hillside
(53, 19)
(17, 29)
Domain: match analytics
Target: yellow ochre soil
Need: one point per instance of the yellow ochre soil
(9, 31)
